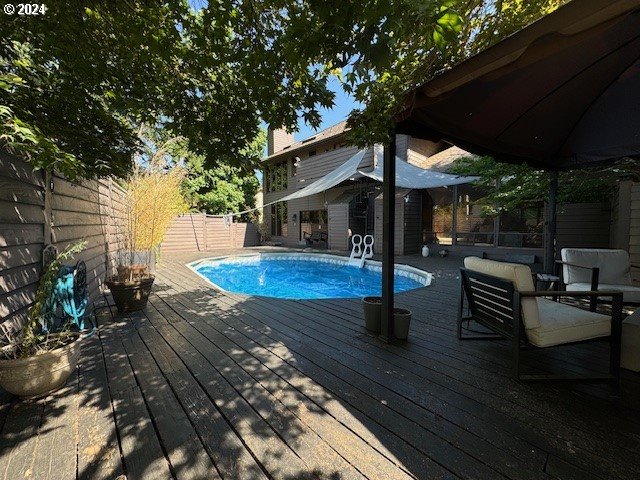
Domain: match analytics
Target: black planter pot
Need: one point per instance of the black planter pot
(401, 323)
(130, 296)
(372, 312)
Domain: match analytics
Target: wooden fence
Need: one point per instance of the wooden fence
(37, 209)
(198, 232)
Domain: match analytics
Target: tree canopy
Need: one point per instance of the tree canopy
(511, 186)
(77, 81)
(215, 187)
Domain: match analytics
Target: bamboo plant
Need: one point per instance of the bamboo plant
(153, 199)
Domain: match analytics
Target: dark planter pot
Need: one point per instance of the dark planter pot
(401, 322)
(130, 296)
(41, 374)
(372, 312)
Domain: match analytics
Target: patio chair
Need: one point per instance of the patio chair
(594, 269)
(501, 297)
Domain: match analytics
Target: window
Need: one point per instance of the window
(522, 227)
(279, 224)
(312, 221)
(437, 217)
(276, 177)
(472, 226)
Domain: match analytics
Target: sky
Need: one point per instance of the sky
(344, 103)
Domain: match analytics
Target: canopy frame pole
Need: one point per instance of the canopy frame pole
(550, 230)
(388, 247)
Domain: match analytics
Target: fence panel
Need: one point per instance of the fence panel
(37, 209)
(198, 232)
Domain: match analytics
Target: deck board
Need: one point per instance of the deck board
(217, 385)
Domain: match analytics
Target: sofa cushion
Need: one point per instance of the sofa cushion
(613, 264)
(518, 274)
(629, 292)
(561, 323)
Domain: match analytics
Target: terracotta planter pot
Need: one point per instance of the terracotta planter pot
(401, 322)
(372, 312)
(40, 374)
(130, 296)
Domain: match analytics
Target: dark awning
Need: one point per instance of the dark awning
(563, 92)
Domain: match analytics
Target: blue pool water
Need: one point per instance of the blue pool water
(299, 279)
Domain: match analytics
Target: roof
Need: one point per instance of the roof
(322, 136)
(442, 161)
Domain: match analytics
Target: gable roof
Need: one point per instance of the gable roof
(443, 160)
(323, 135)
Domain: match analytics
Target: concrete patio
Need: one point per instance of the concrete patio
(210, 385)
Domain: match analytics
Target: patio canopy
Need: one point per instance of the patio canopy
(410, 176)
(407, 176)
(562, 93)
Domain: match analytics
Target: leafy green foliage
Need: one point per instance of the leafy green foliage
(75, 83)
(215, 187)
(521, 185)
(222, 189)
(425, 39)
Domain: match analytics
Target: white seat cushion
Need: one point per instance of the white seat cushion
(519, 275)
(629, 292)
(561, 323)
(614, 265)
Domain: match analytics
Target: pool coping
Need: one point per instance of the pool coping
(420, 276)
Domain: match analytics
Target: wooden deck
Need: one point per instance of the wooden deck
(204, 385)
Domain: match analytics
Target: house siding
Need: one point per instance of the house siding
(412, 222)
(399, 230)
(339, 226)
(329, 156)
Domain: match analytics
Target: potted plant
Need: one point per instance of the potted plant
(38, 357)
(401, 323)
(153, 199)
(372, 312)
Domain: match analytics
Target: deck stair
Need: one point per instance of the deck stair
(361, 249)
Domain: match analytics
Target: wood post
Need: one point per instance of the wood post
(48, 217)
(454, 213)
(388, 247)
(550, 224)
(204, 231)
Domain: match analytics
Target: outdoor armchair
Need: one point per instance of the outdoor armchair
(501, 297)
(593, 269)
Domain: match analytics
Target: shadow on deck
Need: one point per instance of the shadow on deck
(208, 385)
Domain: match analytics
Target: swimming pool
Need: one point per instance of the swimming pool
(303, 276)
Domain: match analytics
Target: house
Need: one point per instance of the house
(347, 208)
(443, 218)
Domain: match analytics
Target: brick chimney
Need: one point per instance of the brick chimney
(277, 140)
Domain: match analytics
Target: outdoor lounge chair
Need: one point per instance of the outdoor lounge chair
(501, 297)
(585, 269)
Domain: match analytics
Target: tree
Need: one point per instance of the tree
(519, 185)
(215, 187)
(77, 81)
